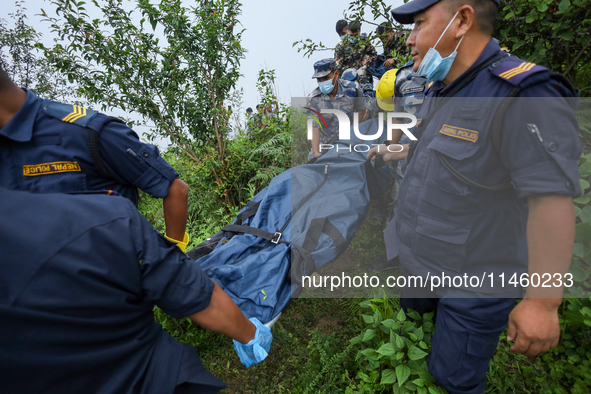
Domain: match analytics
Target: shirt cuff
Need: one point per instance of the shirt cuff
(545, 178)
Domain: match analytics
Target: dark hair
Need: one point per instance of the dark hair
(485, 12)
(384, 28)
(341, 24)
(259, 106)
(355, 26)
(248, 109)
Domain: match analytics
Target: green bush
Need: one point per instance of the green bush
(394, 349)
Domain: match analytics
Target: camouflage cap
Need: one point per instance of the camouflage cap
(324, 67)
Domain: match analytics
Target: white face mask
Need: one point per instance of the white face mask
(433, 66)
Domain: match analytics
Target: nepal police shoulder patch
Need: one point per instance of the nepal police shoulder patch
(69, 113)
(516, 70)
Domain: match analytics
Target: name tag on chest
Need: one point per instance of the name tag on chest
(458, 132)
(51, 168)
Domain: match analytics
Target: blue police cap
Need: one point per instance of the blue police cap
(323, 67)
(405, 13)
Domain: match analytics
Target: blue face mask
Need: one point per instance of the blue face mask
(326, 87)
(433, 66)
(353, 40)
(343, 36)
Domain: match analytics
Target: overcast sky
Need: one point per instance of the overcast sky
(271, 29)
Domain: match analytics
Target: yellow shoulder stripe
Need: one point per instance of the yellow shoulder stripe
(523, 67)
(73, 116)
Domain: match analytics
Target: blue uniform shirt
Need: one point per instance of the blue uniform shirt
(445, 225)
(44, 149)
(79, 277)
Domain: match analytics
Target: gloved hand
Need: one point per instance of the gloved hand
(181, 244)
(256, 350)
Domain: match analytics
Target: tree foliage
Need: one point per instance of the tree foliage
(553, 33)
(22, 60)
(359, 10)
(172, 65)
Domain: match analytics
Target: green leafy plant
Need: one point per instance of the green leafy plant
(554, 33)
(394, 351)
(22, 59)
(356, 11)
(580, 268)
(178, 84)
(327, 363)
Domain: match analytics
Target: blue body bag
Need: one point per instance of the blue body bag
(303, 220)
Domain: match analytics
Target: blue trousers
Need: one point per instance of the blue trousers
(466, 337)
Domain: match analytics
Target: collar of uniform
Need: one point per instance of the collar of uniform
(20, 127)
(490, 49)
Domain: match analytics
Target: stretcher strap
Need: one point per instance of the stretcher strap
(319, 226)
(251, 209)
(257, 232)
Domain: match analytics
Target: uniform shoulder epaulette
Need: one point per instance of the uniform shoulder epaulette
(69, 113)
(515, 70)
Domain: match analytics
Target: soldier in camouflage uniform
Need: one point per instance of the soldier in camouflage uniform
(393, 42)
(354, 52)
(341, 28)
(333, 93)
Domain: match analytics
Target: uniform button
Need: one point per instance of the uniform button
(551, 147)
(569, 185)
(145, 154)
(495, 64)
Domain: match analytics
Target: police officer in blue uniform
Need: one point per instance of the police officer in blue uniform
(488, 187)
(48, 147)
(333, 93)
(80, 275)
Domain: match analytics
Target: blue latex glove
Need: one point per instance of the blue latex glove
(257, 349)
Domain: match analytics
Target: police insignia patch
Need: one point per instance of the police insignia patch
(51, 168)
(458, 132)
(515, 72)
(69, 113)
(76, 114)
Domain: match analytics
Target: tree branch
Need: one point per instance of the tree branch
(576, 59)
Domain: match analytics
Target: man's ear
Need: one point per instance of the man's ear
(466, 18)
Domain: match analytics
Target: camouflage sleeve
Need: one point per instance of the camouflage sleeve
(371, 53)
(338, 51)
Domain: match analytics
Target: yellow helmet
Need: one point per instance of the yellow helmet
(385, 90)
